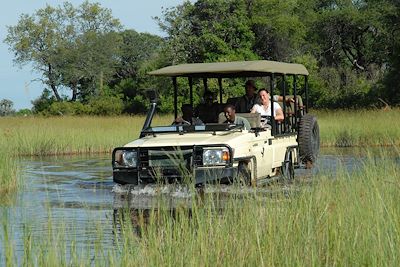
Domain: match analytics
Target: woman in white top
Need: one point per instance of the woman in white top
(265, 109)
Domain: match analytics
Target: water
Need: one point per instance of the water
(78, 193)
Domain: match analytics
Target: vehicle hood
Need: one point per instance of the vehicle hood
(189, 139)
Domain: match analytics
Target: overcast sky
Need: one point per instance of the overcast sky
(17, 84)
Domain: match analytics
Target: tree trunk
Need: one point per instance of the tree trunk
(52, 83)
(54, 89)
(74, 90)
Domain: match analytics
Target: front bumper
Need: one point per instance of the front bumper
(173, 164)
(201, 175)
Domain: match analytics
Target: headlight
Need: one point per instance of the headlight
(126, 158)
(216, 156)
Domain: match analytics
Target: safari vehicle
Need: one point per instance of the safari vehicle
(223, 153)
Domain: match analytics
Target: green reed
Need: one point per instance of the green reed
(70, 135)
(346, 128)
(349, 219)
(77, 135)
(9, 173)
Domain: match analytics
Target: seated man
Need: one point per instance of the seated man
(247, 101)
(187, 117)
(208, 110)
(231, 117)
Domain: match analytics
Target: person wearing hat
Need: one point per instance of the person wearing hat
(246, 102)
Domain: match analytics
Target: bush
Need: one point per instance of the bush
(66, 108)
(106, 105)
(24, 112)
(43, 102)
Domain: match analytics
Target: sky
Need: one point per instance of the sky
(19, 85)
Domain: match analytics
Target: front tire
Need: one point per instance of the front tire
(288, 167)
(244, 174)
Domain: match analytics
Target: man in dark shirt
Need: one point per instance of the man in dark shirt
(246, 102)
(208, 110)
(187, 116)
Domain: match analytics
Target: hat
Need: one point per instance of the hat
(251, 83)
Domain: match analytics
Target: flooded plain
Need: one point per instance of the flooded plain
(78, 193)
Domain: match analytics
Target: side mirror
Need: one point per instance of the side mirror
(152, 95)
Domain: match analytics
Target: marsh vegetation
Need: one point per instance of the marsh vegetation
(41, 136)
(343, 217)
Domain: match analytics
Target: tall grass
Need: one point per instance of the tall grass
(76, 135)
(9, 178)
(70, 135)
(345, 128)
(352, 219)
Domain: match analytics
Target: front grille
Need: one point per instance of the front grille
(165, 162)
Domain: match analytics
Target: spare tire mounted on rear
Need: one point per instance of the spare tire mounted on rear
(308, 138)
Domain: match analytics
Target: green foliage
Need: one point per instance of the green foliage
(106, 105)
(24, 112)
(43, 102)
(279, 29)
(136, 50)
(208, 31)
(71, 47)
(351, 49)
(390, 91)
(6, 107)
(101, 106)
(67, 108)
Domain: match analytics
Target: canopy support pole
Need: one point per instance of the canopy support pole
(220, 90)
(175, 96)
(191, 90)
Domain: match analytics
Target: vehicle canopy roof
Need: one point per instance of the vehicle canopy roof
(231, 69)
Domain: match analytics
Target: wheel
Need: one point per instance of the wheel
(308, 138)
(288, 167)
(244, 174)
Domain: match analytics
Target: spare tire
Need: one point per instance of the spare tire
(308, 138)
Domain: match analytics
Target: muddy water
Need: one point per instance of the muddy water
(78, 193)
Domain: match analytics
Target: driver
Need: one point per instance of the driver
(231, 117)
(187, 117)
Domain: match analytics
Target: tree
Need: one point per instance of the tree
(72, 48)
(208, 30)
(139, 53)
(6, 107)
(391, 90)
(279, 30)
(136, 49)
(353, 33)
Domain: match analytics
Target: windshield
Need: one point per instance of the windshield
(211, 127)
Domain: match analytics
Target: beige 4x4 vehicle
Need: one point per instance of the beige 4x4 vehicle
(219, 152)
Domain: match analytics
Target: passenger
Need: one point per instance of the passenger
(208, 110)
(265, 108)
(187, 117)
(246, 102)
(231, 117)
